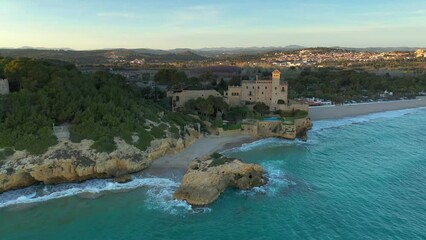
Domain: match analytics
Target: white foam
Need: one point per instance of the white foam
(159, 195)
(277, 182)
(326, 124)
(270, 142)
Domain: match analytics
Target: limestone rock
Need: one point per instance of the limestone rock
(76, 162)
(208, 177)
(123, 179)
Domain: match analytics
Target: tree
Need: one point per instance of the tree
(171, 77)
(261, 108)
(237, 114)
(221, 86)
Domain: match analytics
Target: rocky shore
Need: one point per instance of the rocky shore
(76, 162)
(207, 177)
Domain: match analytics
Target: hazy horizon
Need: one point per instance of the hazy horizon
(206, 48)
(167, 24)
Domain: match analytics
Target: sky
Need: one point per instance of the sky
(169, 24)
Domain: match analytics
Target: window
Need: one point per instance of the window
(250, 93)
(275, 88)
(266, 87)
(282, 89)
(258, 87)
(246, 87)
(177, 98)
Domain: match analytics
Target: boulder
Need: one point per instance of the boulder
(207, 177)
(123, 179)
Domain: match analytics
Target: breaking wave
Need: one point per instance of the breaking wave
(159, 194)
(326, 124)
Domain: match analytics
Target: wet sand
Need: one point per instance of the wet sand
(174, 166)
(353, 110)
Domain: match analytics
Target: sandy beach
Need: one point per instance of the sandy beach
(174, 166)
(352, 110)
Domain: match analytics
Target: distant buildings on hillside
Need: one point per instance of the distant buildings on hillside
(4, 86)
(420, 53)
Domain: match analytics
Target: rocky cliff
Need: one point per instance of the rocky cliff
(206, 178)
(75, 162)
(278, 128)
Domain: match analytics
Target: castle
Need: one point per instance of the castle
(4, 86)
(273, 92)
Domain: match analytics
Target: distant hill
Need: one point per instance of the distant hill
(102, 56)
(107, 56)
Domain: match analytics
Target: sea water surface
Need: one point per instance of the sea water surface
(357, 178)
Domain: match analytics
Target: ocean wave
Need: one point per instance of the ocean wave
(270, 142)
(278, 183)
(326, 124)
(159, 194)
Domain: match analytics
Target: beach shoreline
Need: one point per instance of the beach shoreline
(354, 110)
(174, 166)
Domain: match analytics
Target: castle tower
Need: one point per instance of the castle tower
(276, 75)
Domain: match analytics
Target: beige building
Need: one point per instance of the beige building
(4, 86)
(181, 97)
(273, 92)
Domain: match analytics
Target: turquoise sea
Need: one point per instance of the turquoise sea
(357, 178)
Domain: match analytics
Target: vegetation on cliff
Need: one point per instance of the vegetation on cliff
(95, 106)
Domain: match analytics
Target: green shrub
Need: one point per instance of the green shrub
(158, 132)
(175, 131)
(104, 144)
(300, 114)
(6, 153)
(232, 127)
(219, 159)
(218, 123)
(145, 139)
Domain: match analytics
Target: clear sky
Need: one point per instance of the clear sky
(167, 24)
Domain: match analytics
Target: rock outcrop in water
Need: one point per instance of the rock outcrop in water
(76, 162)
(206, 178)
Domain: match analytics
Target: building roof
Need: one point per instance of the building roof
(276, 71)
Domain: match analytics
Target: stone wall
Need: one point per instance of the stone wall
(180, 98)
(265, 129)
